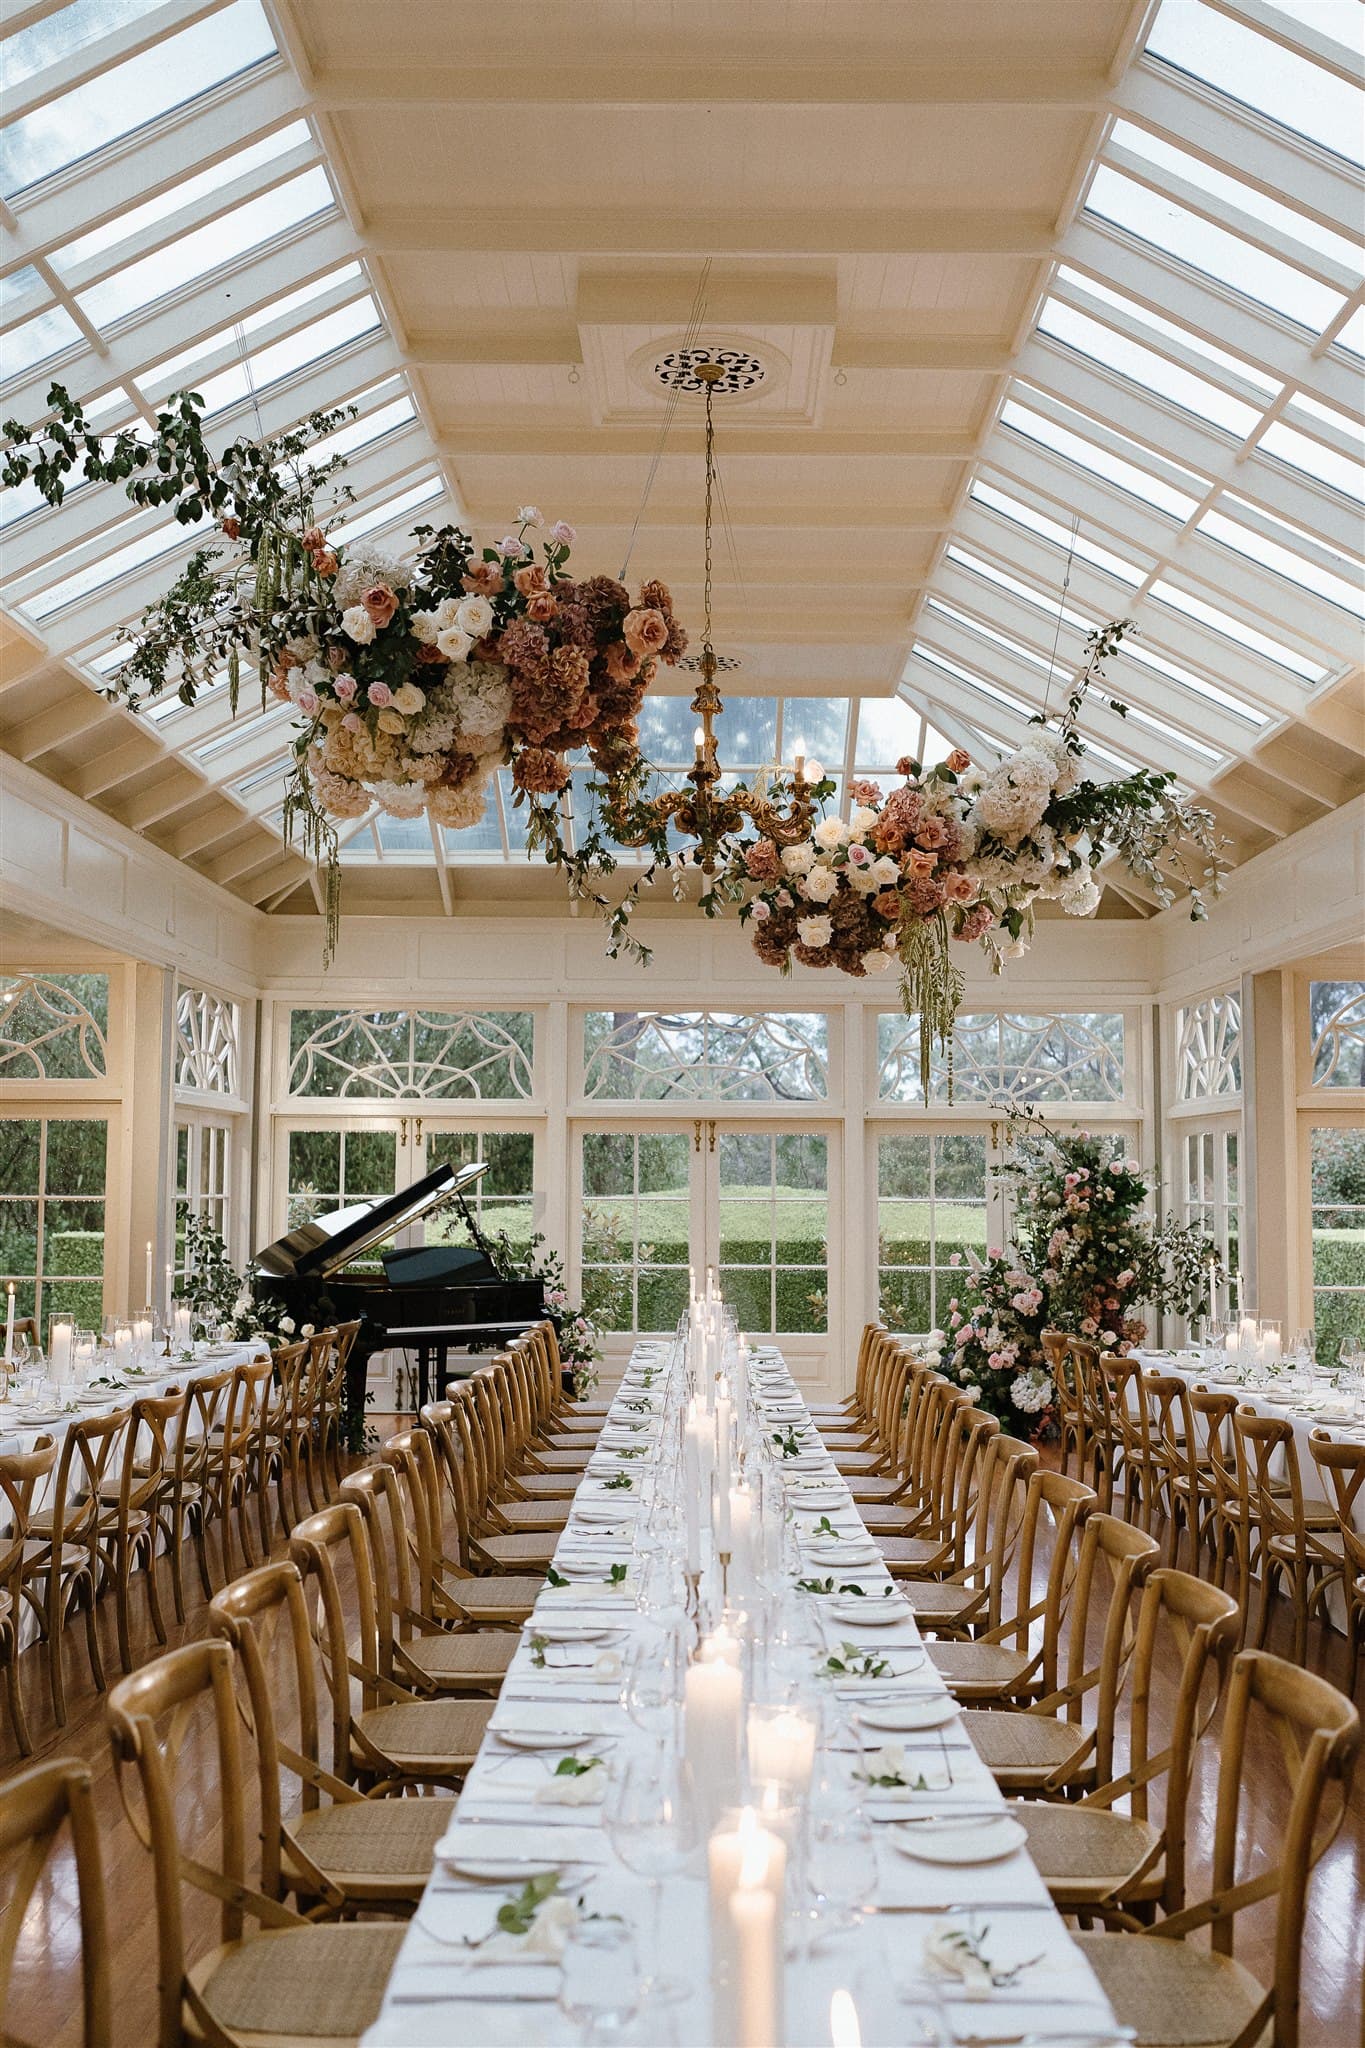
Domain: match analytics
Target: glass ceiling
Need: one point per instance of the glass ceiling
(1180, 440)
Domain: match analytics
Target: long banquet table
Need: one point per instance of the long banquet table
(442, 1995)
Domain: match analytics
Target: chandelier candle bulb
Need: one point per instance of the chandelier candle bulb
(147, 1287)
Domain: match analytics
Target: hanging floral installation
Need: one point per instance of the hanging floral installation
(960, 853)
(413, 678)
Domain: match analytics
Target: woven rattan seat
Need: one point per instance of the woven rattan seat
(314, 1984)
(523, 1515)
(983, 1670)
(907, 1552)
(453, 1659)
(939, 1603)
(502, 1601)
(1024, 1749)
(1086, 1853)
(536, 1547)
(549, 1486)
(561, 1460)
(377, 1848)
(857, 1461)
(1174, 1994)
(418, 1734)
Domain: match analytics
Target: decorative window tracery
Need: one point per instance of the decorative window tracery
(206, 1043)
(1208, 1057)
(53, 1027)
(714, 1055)
(1001, 1056)
(1337, 1009)
(434, 1055)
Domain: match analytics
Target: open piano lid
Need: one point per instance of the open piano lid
(325, 1245)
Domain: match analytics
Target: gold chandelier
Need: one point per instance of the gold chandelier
(701, 810)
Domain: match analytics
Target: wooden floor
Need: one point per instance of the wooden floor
(43, 1998)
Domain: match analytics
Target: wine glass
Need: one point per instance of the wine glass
(841, 1869)
(600, 1984)
(653, 1827)
(654, 1679)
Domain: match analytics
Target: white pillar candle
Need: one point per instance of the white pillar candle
(147, 1286)
(61, 1335)
(844, 2031)
(712, 1698)
(142, 1339)
(1213, 1288)
(746, 1858)
(722, 1646)
(9, 1322)
(82, 1360)
(782, 1748)
(1270, 1349)
(123, 1346)
(183, 1329)
(758, 1967)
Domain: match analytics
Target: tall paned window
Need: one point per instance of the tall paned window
(503, 1200)
(931, 1207)
(52, 1195)
(773, 1208)
(1205, 1120)
(636, 1227)
(1336, 1162)
(210, 1117)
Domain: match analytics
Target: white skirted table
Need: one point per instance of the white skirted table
(443, 1993)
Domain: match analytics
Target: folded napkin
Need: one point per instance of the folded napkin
(602, 1664)
(588, 1595)
(520, 1842)
(533, 1781)
(532, 1718)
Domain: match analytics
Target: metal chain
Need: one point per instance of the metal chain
(710, 482)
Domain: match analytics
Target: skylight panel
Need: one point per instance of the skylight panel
(973, 681)
(1018, 648)
(1137, 315)
(1025, 592)
(1346, 589)
(160, 540)
(1134, 650)
(485, 837)
(933, 748)
(1144, 367)
(1236, 630)
(1212, 250)
(371, 426)
(284, 358)
(1325, 465)
(126, 97)
(133, 222)
(167, 375)
(1351, 334)
(1338, 20)
(33, 341)
(1052, 530)
(1232, 192)
(1098, 462)
(392, 509)
(211, 247)
(57, 36)
(1283, 85)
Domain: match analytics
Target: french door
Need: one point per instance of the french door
(330, 1162)
(663, 1199)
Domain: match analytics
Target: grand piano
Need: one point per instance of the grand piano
(428, 1298)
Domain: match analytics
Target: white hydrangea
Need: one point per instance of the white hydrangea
(798, 859)
(820, 884)
(460, 806)
(1014, 796)
(365, 566)
(1080, 894)
(483, 704)
(399, 799)
(1031, 1391)
(1066, 767)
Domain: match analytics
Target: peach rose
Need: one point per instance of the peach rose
(917, 863)
(531, 580)
(622, 665)
(483, 579)
(381, 604)
(959, 888)
(644, 630)
(541, 606)
(887, 903)
(325, 562)
(959, 761)
(314, 537)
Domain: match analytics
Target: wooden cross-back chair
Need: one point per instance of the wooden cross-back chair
(874, 1447)
(1183, 1476)
(865, 1428)
(1121, 1866)
(233, 1468)
(61, 1563)
(20, 1475)
(272, 1973)
(415, 1646)
(1296, 1545)
(971, 1596)
(932, 1541)
(128, 1531)
(1179, 1992)
(396, 1740)
(1002, 1666)
(1134, 1463)
(332, 1445)
(490, 1542)
(891, 1477)
(427, 1458)
(1047, 1747)
(1341, 1468)
(340, 1851)
(35, 1805)
(184, 1503)
(853, 1407)
(1070, 1420)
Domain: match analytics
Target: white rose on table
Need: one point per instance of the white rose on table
(357, 622)
(583, 1788)
(475, 617)
(550, 1929)
(946, 1953)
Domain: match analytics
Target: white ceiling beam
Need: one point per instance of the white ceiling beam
(704, 231)
(1252, 795)
(684, 74)
(114, 765)
(188, 139)
(763, 515)
(535, 338)
(46, 730)
(258, 848)
(174, 790)
(608, 442)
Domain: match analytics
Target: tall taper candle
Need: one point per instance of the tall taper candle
(9, 1322)
(147, 1286)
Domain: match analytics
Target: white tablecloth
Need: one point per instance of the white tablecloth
(432, 2001)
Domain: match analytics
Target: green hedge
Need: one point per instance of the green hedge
(1338, 1261)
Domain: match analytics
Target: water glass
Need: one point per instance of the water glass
(600, 1983)
(841, 1869)
(653, 1826)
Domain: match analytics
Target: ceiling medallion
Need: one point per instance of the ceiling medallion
(705, 369)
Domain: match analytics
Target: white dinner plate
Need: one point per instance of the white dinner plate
(907, 1717)
(217, 1350)
(854, 1552)
(966, 1841)
(874, 1610)
(539, 1738)
(488, 1870)
(572, 1631)
(37, 1418)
